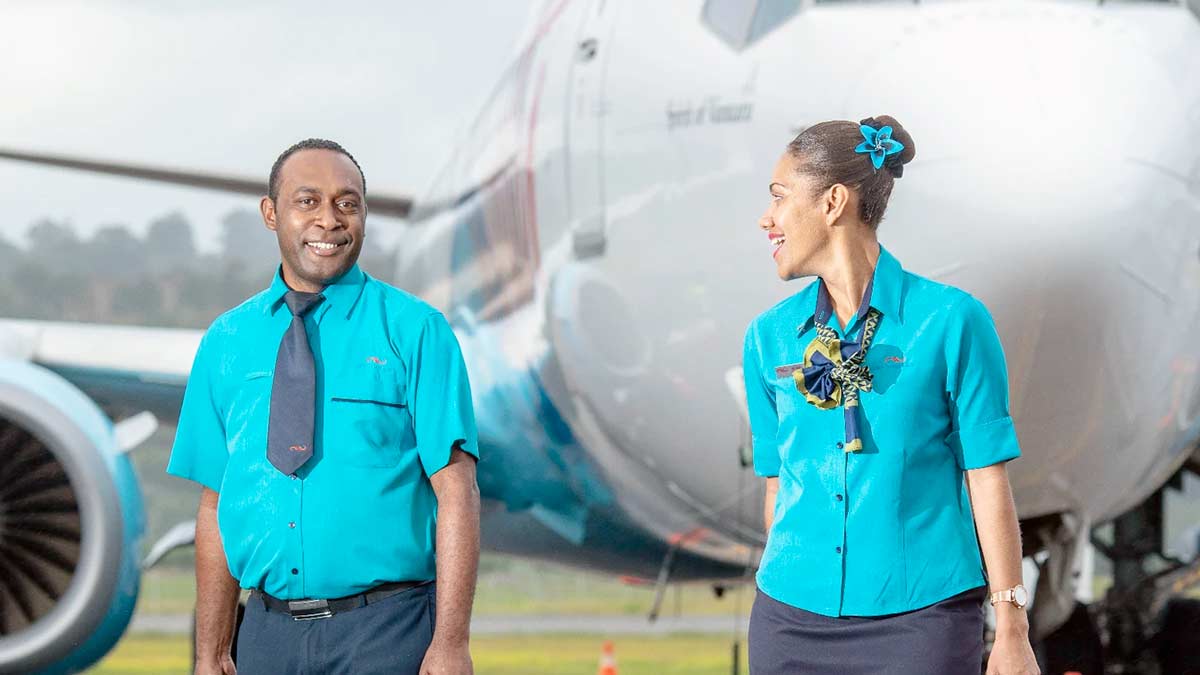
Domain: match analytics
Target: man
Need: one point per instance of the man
(329, 421)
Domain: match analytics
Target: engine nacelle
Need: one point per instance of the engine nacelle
(71, 520)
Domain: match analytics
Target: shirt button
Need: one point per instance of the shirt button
(294, 476)
(841, 444)
(293, 524)
(838, 549)
(839, 498)
(296, 571)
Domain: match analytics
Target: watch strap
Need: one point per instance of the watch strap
(1009, 595)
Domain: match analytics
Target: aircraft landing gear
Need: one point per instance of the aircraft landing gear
(1073, 647)
(1150, 628)
(1144, 625)
(1176, 644)
(1125, 616)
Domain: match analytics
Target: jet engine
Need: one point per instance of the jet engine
(71, 521)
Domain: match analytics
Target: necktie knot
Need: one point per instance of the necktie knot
(301, 303)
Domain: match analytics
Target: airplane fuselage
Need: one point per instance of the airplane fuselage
(603, 260)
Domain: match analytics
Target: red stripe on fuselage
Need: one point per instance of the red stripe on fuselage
(530, 173)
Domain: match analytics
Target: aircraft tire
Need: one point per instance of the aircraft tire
(1178, 651)
(1075, 646)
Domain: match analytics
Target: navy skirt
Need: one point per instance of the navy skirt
(945, 638)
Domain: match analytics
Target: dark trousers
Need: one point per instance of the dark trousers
(388, 636)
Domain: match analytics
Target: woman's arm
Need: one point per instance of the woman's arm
(769, 503)
(1000, 541)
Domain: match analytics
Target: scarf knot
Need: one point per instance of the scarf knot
(835, 373)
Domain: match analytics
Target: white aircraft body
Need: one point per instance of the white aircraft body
(593, 241)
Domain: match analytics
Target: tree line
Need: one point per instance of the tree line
(158, 279)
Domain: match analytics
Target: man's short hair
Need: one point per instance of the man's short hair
(309, 144)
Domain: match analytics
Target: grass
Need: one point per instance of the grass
(493, 655)
(138, 654)
(167, 590)
(579, 655)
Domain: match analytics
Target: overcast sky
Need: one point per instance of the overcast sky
(225, 86)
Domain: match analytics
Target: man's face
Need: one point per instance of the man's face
(319, 217)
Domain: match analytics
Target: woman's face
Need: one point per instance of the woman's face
(795, 220)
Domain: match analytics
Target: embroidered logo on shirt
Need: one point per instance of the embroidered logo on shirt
(786, 371)
(297, 448)
(376, 360)
(893, 359)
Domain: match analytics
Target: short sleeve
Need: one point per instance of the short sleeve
(440, 396)
(977, 383)
(760, 399)
(200, 453)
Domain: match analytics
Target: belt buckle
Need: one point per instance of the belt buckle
(307, 610)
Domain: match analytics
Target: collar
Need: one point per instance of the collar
(341, 295)
(884, 290)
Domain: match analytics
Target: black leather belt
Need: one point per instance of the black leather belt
(304, 610)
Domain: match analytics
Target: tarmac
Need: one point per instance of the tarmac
(512, 625)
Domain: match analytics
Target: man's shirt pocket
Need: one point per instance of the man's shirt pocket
(246, 416)
(367, 419)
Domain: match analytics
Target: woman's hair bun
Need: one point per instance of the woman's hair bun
(895, 163)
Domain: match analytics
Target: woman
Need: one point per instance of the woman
(871, 393)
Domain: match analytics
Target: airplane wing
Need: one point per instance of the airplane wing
(125, 369)
(128, 369)
(379, 203)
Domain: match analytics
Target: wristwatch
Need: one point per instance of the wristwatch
(1017, 595)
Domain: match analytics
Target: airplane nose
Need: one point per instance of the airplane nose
(1033, 105)
(1056, 179)
(1046, 138)
(1053, 137)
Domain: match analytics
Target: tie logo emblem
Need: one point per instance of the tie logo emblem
(376, 360)
(298, 448)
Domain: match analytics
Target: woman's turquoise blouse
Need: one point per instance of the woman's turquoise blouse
(889, 528)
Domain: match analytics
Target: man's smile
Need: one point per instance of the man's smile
(325, 248)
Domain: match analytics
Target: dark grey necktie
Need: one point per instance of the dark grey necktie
(294, 391)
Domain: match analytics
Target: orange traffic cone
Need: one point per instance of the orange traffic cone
(608, 661)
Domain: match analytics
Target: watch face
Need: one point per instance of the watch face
(1020, 596)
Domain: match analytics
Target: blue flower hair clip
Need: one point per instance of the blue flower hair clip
(878, 143)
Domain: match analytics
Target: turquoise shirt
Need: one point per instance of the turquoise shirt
(392, 401)
(887, 529)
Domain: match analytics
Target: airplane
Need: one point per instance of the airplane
(593, 243)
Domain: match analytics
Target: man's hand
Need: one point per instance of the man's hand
(223, 667)
(216, 593)
(457, 564)
(447, 659)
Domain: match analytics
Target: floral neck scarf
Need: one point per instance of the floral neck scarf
(834, 372)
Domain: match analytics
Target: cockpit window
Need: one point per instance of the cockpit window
(741, 23)
(770, 15)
